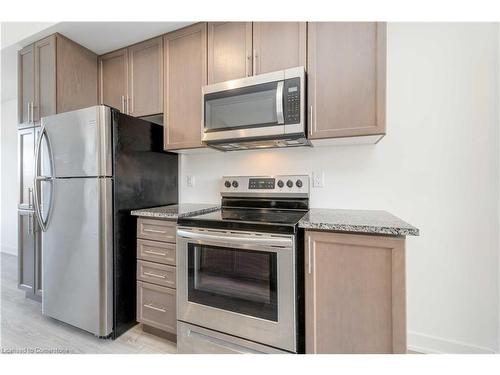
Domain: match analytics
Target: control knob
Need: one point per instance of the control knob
(227, 184)
(235, 184)
(299, 183)
(281, 183)
(289, 183)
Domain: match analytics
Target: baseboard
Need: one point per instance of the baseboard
(427, 344)
(8, 249)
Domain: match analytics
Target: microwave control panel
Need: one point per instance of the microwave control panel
(292, 101)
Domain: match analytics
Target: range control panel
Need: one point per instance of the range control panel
(269, 185)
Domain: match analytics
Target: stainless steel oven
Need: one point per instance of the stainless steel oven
(266, 110)
(240, 283)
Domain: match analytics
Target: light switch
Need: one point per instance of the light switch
(190, 181)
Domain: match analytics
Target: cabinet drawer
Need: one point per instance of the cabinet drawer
(153, 251)
(158, 230)
(156, 306)
(156, 273)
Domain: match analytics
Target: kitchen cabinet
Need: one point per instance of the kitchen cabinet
(26, 84)
(55, 75)
(229, 51)
(354, 293)
(185, 64)
(131, 79)
(26, 162)
(242, 49)
(113, 72)
(29, 255)
(278, 45)
(346, 79)
(156, 276)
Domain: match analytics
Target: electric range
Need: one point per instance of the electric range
(240, 269)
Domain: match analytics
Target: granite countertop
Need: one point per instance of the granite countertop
(357, 221)
(175, 211)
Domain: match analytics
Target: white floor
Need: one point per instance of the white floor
(25, 329)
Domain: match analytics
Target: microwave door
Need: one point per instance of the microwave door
(244, 112)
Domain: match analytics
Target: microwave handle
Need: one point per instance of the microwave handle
(279, 102)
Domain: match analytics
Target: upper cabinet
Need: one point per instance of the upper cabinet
(242, 49)
(185, 73)
(131, 79)
(113, 72)
(346, 79)
(229, 51)
(278, 45)
(55, 75)
(145, 77)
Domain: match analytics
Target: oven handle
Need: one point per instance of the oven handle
(238, 240)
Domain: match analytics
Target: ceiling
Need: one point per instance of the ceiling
(99, 37)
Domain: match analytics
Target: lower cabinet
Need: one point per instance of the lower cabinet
(156, 276)
(30, 255)
(355, 293)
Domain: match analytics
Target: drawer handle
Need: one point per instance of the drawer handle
(150, 306)
(155, 231)
(155, 275)
(154, 252)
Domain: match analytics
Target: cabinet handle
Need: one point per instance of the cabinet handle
(150, 306)
(155, 275)
(255, 66)
(30, 225)
(309, 266)
(247, 63)
(154, 252)
(29, 111)
(310, 120)
(123, 103)
(30, 197)
(129, 111)
(154, 231)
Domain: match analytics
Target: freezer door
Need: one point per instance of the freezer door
(78, 255)
(80, 142)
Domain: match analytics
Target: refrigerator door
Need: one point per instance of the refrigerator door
(77, 261)
(80, 142)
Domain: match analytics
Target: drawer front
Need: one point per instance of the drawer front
(157, 230)
(154, 251)
(156, 306)
(156, 273)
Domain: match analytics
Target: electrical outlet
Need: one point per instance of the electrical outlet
(318, 179)
(190, 181)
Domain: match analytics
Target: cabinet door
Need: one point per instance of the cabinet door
(354, 293)
(26, 162)
(113, 87)
(185, 73)
(45, 78)
(229, 51)
(278, 45)
(26, 83)
(76, 81)
(145, 78)
(26, 251)
(346, 79)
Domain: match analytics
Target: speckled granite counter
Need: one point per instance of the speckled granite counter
(357, 221)
(175, 211)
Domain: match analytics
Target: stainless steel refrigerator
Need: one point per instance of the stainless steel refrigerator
(93, 166)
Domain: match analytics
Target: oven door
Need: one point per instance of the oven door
(239, 283)
(245, 108)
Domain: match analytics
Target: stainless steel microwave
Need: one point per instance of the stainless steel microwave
(262, 111)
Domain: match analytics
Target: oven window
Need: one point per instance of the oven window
(252, 106)
(243, 281)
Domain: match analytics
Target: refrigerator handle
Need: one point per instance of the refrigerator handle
(38, 178)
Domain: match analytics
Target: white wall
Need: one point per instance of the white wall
(438, 168)
(8, 177)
